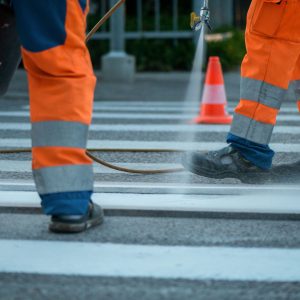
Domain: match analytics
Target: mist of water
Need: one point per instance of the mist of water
(194, 88)
(193, 93)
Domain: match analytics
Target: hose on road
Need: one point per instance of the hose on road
(112, 166)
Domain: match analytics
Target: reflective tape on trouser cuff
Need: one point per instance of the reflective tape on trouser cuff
(64, 179)
(296, 84)
(251, 130)
(262, 92)
(59, 133)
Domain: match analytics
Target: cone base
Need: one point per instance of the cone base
(213, 120)
(213, 114)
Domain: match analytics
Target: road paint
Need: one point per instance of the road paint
(145, 116)
(172, 109)
(164, 188)
(161, 105)
(143, 145)
(143, 261)
(188, 128)
(257, 203)
(128, 102)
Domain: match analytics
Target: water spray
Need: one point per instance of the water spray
(197, 22)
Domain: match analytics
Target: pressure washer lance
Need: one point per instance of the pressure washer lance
(203, 18)
(90, 151)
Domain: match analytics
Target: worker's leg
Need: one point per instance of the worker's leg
(296, 81)
(61, 86)
(273, 47)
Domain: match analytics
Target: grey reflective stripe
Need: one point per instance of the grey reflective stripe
(64, 179)
(251, 130)
(262, 92)
(59, 133)
(297, 88)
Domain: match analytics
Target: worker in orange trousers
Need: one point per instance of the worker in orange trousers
(272, 62)
(61, 87)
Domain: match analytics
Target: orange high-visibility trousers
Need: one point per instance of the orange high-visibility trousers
(61, 87)
(271, 63)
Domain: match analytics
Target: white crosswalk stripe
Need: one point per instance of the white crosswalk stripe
(160, 106)
(240, 203)
(156, 128)
(176, 262)
(206, 146)
(149, 116)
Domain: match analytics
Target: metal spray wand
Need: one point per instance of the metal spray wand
(203, 18)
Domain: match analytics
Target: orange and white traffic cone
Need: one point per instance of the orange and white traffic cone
(214, 100)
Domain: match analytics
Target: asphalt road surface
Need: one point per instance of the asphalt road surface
(175, 236)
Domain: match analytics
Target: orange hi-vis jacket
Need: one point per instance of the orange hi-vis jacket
(271, 63)
(61, 87)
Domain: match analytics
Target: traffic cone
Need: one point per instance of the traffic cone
(214, 100)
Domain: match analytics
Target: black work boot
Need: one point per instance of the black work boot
(77, 223)
(224, 163)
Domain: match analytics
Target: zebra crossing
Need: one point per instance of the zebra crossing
(181, 135)
(16, 134)
(153, 220)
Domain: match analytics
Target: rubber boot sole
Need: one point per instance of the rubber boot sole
(60, 227)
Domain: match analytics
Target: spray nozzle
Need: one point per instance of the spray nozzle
(203, 18)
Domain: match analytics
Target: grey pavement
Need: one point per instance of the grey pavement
(146, 87)
(164, 231)
(37, 287)
(149, 98)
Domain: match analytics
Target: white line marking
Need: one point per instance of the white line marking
(15, 126)
(147, 116)
(168, 103)
(164, 262)
(149, 109)
(185, 146)
(164, 188)
(155, 128)
(99, 104)
(14, 114)
(112, 115)
(288, 107)
(166, 106)
(267, 203)
(172, 109)
(129, 103)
